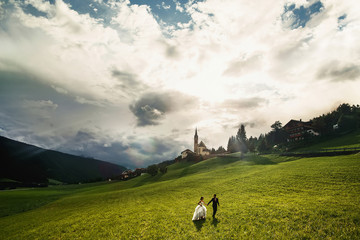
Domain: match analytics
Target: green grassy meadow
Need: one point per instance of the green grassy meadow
(261, 197)
(351, 140)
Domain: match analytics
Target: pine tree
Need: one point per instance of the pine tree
(241, 134)
(241, 139)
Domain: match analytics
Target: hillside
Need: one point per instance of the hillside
(350, 140)
(261, 197)
(29, 164)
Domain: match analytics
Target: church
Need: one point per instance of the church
(199, 148)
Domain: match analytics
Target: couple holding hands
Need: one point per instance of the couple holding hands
(200, 210)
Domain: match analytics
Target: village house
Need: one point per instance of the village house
(298, 129)
(185, 153)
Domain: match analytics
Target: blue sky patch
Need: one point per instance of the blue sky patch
(341, 22)
(301, 15)
(169, 12)
(29, 9)
(166, 12)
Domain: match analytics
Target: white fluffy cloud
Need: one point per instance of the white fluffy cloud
(239, 62)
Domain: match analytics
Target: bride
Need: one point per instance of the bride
(200, 210)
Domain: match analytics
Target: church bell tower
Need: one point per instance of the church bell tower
(196, 142)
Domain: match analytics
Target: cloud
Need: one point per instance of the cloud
(238, 67)
(40, 105)
(166, 7)
(59, 89)
(150, 108)
(128, 82)
(154, 149)
(243, 103)
(135, 151)
(226, 63)
(178, 6)
(172, 52)
(255, 123)
(342, 22)
(339, 72)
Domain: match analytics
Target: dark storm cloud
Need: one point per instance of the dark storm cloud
(339, 72)
(152, 107)
(244, 103)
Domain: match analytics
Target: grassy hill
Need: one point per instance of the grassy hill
(261, 197)
(26, 163)
(350, 140)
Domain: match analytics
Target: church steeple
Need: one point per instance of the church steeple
(196, 142)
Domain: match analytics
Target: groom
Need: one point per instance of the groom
(215, 202)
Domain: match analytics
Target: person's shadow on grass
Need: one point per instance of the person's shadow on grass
(199, 224)
(215, 222)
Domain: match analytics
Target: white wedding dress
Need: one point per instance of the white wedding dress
(200, 211)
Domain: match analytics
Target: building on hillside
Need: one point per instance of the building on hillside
(200, 149)
(298, 129)
(126, 174)
(139, 171)
(185, 153)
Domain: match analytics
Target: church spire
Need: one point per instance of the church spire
(196, 142)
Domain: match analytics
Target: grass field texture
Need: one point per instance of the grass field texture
(261, 197)
(351, 140)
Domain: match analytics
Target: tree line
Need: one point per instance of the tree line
(344, 119)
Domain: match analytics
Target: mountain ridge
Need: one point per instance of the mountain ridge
(27, 163)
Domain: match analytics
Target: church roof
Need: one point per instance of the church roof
(202, 144)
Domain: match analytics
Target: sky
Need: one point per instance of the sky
(129, 81)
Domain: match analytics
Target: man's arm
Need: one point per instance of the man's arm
(218, 202)
(210, 201)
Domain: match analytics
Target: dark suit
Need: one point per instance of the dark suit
(215, 202)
